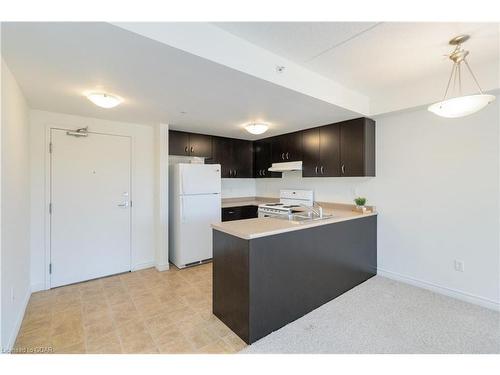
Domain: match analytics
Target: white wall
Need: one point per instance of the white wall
(143, 186)
(437, 194)
(238, 187)
(15, 198)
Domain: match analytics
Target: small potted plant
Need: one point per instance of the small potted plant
(360, 204)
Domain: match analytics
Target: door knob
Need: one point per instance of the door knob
(124, 204)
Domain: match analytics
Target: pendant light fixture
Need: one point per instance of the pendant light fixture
(461, 105)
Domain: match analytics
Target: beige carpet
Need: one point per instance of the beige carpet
(386, 316)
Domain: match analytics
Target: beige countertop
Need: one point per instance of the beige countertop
(246, 201)
(261, 227)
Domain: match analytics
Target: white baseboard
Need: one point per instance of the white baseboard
(37, 287)
(162, 267)
(141, 266)
(19, 320)
(467, 297)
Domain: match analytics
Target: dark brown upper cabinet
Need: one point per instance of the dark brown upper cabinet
(200, 145)
(178, 143)
(310, 152)
(234, 155)
(262, 159)
(321, 151)
(189, 144)
(286, 147)
(242, 158)
(344, 149)
(357, 148)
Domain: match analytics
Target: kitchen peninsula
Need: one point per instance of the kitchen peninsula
(268, 272)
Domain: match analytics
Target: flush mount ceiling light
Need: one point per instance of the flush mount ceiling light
(104, 100)
(257, 127)
(461, 105)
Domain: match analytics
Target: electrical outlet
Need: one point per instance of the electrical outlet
(459, 266)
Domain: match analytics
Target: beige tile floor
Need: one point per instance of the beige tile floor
(139, 312)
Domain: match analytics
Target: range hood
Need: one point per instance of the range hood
(285, 167)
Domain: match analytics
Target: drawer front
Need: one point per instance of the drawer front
(231, 213)
(239, 213)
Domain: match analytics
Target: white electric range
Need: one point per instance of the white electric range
(291, 201)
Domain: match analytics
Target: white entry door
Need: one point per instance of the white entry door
(90, 212)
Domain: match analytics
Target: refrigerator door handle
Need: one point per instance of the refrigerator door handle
(181, 210)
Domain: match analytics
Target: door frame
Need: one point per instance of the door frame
(48, 193)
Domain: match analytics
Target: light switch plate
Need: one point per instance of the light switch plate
(459, 266)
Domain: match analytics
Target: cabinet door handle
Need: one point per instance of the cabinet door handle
(343, 168)
(235, 172)
(263, 172)
(321, 169)
(191, 149)
(316, 169)
(287, 156)
(230, 173)
(282, 156)
(186, 149)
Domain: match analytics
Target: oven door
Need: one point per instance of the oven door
(263, 213)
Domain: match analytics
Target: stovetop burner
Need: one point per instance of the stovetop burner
(291, 201)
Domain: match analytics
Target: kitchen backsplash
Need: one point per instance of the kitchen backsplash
(238, 187)
(341, 190)
(334, 189)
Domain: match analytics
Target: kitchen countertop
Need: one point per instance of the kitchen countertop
(246, 201)
(261, 227)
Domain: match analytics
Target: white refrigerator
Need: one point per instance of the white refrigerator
(195, 203)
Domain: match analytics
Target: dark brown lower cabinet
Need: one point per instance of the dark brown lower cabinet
(239, 213)
(262, 284)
